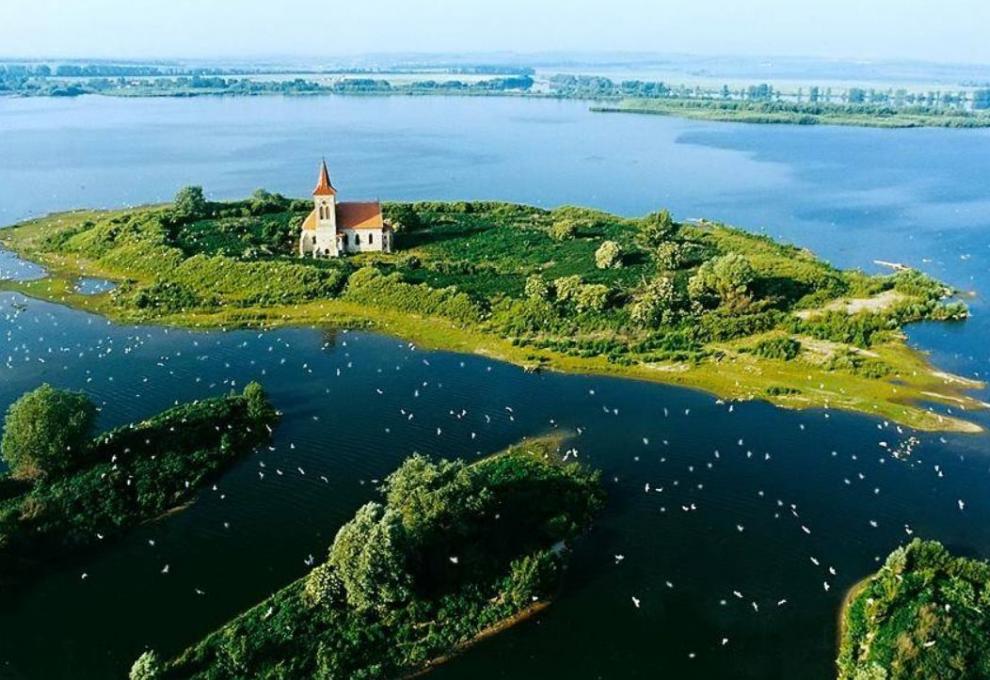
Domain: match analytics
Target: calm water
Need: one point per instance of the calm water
(750, 478)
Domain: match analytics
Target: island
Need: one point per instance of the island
(454, 553)
(67, 491)
(925, 614)
(760, 102)
(698, 304)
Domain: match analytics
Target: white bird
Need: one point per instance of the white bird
(165, 569)
(635, 601)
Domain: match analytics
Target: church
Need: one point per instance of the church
(334, 229)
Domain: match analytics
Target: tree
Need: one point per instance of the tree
(258, 407)
(433, 497)
(567, 287)
(668, 256)
(368, 556)
(608, 255)
(654, 229)
(46, 432)
(189, 204)
(147, 667)
(536, 288)
(592, 298)
(563, 230)
(654, 300)
(725, 280)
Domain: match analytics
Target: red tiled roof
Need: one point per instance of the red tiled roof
(360, 215)
(323, 186)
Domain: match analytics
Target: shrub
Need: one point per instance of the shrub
(654, 229)
(46, 432)
(608, 255)
(189, 204)
(563, 229)
(567, 288)
(146, 667)
(537, 288)
(668, 256)
(592, 298)
(725, 280)
(785, 348)
(652, 302)
(323, 588)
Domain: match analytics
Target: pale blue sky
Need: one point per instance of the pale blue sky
(942, 30)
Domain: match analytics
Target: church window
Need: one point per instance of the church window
(371, 238)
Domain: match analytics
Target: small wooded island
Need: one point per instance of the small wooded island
(67, 491)
(571, 289)
(925, 614)
(455, 552)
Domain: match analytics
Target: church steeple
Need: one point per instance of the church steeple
(323, 186)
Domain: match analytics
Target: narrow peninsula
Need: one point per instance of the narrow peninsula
(454, 553)
(67, 491)
(572, 289)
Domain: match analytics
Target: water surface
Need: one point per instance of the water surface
(737, 485)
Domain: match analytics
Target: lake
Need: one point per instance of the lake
(738, 484)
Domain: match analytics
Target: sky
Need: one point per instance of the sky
(927, 30)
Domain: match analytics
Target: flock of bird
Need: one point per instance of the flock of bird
(669, 479)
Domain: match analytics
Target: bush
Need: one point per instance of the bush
(652, 302)
(189, 204)
(785, 348)
(567, 288)
(668, 256)
(592, 298)
(563, 230)
(725, 280)
(608, 255)
(654, 229)
(323, 588)
(147, 667)
(537, 289)
(46, 432)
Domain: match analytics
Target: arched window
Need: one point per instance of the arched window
(371, 238)
(344, 239)
(357, 239)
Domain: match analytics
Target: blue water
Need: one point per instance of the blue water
(852, 195)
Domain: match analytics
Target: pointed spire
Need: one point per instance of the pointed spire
(323, 186)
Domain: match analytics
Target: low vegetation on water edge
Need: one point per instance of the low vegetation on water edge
(453, 552)
(574, 289)
(925, 614)
(803, 113)
(66, 490)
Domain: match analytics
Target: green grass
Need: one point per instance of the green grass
(458, 281)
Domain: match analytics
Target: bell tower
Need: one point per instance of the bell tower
(325, 205)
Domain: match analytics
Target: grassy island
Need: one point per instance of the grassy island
(802, 113)
(925, 614)
(571, 289)
(67, 491)
(455, 552)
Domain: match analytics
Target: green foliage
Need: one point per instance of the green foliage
(726, 280)
(478, 550)
(46, 432)
(654, 230)
(592, 297)
(537, 288)
(567, 288)
(608, 255)
(563, 229)
(923, 615)
(652, 301)
(146, 667)
(370, 286)
(369, 558)
(780, 347)
(669, 256)
(130, 474)
(189, 204)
